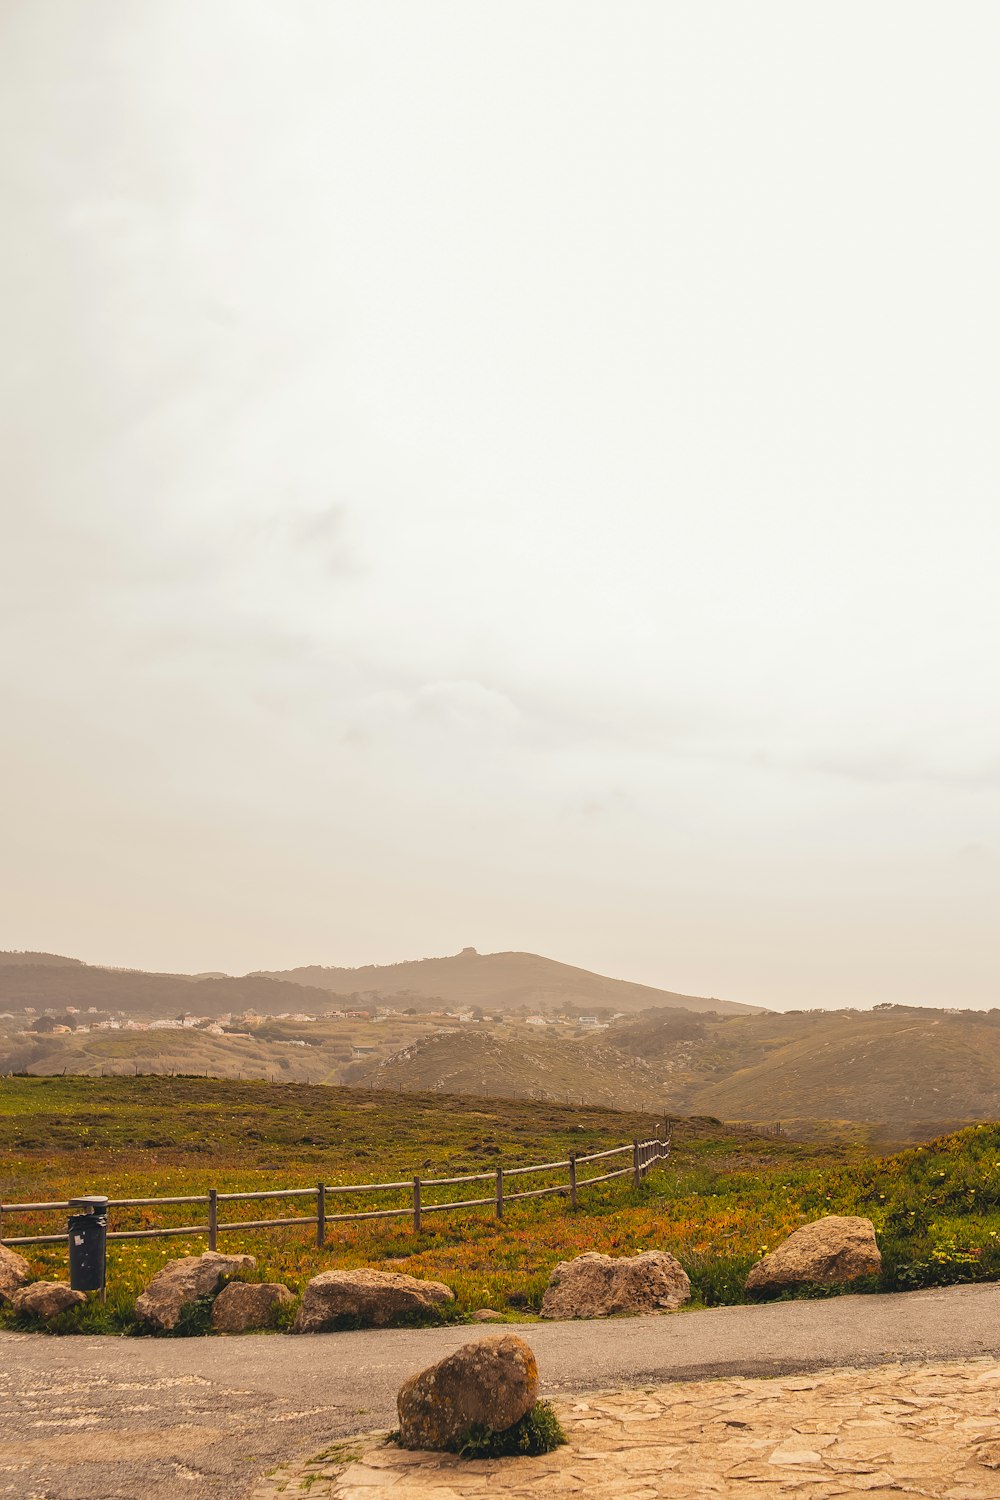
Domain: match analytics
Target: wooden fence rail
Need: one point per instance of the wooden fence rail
(642, 1156)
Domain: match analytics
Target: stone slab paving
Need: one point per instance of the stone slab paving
(897, 1432)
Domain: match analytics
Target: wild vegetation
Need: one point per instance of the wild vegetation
(721, 1202)
(538, 1431)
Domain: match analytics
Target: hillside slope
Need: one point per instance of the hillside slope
(908, 1070)
(528, 1066)
(502, 981)
(890, 1075)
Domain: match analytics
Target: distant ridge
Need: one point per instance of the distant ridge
(503, 981)
(497, 981)
(12, 958)
(33, 980)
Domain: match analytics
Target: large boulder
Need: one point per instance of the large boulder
(831, 1250)
(182, 1282)
(243, 1306)
(599, 1286)
(492, 1382)
(14, 1273)
(46, 1299)
(366, 1299)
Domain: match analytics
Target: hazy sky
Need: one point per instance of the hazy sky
(511, 474)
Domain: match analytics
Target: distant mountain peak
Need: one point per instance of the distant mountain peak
(503, 981)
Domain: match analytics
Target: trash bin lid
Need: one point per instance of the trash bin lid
(93, 1203)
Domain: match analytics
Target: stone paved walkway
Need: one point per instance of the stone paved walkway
(892, 1433)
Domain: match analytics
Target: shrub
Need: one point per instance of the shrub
(538, 1431)
(195, 1319)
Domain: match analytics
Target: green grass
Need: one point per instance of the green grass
(722, 1202)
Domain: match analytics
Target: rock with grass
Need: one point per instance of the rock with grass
(487, 1315)
(14, 1273)
(46, 1299)
(244, 1306)
(486, 1385)
(827, 1252)
(604, 1286)
(368, 1299)
(182, 1283)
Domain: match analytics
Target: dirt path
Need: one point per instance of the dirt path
(145, 1419)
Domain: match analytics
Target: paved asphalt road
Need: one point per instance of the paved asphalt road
(144, 1419)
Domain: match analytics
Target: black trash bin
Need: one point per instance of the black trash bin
(88, 1239)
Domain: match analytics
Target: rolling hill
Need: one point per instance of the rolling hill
(894, 1074)
(501, 981)
(520, 1062)
(907, 1072)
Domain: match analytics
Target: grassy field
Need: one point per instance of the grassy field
(719, 1204)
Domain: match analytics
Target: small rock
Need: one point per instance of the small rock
(365, 1299)
(599, 1286)
(182, 1282)
(245, 1305)
(487, 1315)
(46, 1299)
(14, 1273)
(828, 1251)
(491, 1381)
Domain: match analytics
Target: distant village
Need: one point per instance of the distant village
(69, 1019)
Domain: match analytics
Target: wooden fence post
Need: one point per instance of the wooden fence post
(636, 1170)
(499, 1209)
(320, 1214)
(416, 1205)
(572, 1179)
(213, 1217)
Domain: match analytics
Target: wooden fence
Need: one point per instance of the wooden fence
(643, 1155)
(771, 1132)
